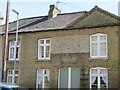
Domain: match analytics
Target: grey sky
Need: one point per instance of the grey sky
(31, 8)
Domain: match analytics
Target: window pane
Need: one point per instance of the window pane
(47, 54)
(48, 41)
(94, 82)
(42, 48)
(16, 80)
(16, 72)
(18, 43)
(10, 72)
(41, 53)
(47, 48)
(102, 49)
(94, 71)
(46, 72)
(103, 71)
(103, 37)
(94, 38)
(17, 52)
(46, 82)
(41, 41)
(103, 82)
(11, 53)
(40, 81)
(9, 79)
(40, 72)
(12, 43)
(94, 49)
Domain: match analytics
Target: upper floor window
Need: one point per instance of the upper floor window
(12, 51)
(98, 46)
(44, 48)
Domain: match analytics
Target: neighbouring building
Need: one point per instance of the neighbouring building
(65, 50)
(1, 18)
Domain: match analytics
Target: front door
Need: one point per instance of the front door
(69, 78)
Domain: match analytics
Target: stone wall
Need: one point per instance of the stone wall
(69, 48)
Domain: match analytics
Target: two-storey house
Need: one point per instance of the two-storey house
(65, 50)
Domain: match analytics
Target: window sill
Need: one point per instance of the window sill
(13, 61)
(98, 58)
(43, 60)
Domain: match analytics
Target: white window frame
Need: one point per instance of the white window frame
(98, 46)
(98, 75)
(44, 45)
(10, 46)
(43, 77)
(12, 75)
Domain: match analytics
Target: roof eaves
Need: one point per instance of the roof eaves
(83, 27)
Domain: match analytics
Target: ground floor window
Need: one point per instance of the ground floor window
(10, 76)
(69, 78)
(43, 78)
(98, 77)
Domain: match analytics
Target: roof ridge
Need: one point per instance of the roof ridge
(46, 16)
(106, 12)
(26, 18)
(33, 17)
(58, 14)
(73, 12)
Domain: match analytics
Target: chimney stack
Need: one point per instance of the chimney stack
(53, 11)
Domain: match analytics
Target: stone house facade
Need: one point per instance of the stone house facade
(70, 50)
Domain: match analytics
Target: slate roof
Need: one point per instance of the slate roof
(43, 23)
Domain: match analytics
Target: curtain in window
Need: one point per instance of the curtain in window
(43, 78)
(93, 78)
(102, 72)
(40, 80)
(105, 79)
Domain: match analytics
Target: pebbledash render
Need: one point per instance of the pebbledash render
(65, 50)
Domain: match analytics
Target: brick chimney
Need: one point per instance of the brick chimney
(53, 11)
